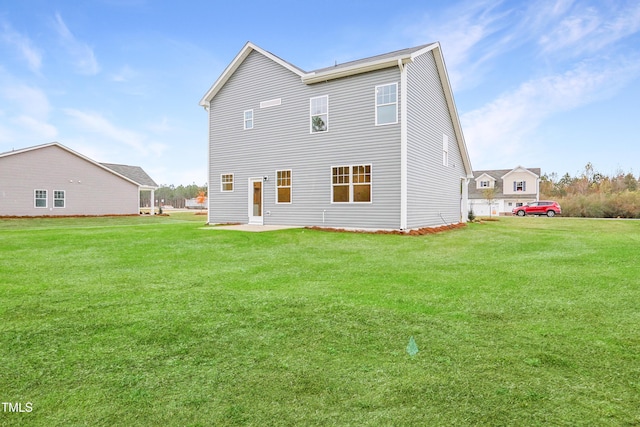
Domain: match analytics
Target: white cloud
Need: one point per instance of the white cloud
(36, 129)
(161, 126)
(124, 74)
(96, 123)
(26, 117)
(470, 33)
(23, 45)
(84, 59)
(504, 125)
(587, 29)
(27, 99)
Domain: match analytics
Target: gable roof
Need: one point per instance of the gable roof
(396, 58)
(484, 176)
(533, 171)
(237, 61)
(499, 174)
(134, 174)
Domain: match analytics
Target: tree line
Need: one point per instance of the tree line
(592, 194)
(170, 195)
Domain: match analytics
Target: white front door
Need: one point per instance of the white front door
(255, 201)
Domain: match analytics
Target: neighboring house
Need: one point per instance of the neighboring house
(511, 188)
(374, 143)
(53, 180)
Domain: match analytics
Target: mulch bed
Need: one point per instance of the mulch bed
(414, 232)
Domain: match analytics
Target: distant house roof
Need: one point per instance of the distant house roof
(134, 174)
(497, 175)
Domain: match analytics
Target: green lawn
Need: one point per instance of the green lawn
(156, 321)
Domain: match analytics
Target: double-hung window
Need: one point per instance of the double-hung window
(283, 184)
(58, 199)
(319, 113)
(248, 119)
(351, 184)
(40, 197)
(387, 104)
(226, 182)
(519, 186)
(445, 150)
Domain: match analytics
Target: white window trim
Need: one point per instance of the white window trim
(244, 116)
(311, 115)
(284, 186)
(64, 199)
(351, 202)
(375, 95)
(233, 183)
(46, 199)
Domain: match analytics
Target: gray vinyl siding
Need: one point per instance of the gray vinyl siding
(281, 139)
(433, 190)
(89, 189)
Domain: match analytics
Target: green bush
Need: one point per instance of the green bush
(625, 204)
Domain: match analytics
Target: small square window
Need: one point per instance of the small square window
(226, 182)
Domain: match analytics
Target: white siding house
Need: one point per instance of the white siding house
(53, 180)
(373, 143)
(511, 188)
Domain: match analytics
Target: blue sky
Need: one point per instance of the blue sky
(549, 84)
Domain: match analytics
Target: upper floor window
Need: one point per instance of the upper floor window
(387, 104)
(248, 119)
(319, 113)
(351, 184)
(445, 150)
(519, 186)
(283, 184)
(58, 199)
(40, 198)
(484, 184)
(226, 182)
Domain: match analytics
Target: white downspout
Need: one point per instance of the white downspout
(403, 146)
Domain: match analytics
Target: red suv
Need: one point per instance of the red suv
(541, 207)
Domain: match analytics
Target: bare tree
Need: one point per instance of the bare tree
(489, 195)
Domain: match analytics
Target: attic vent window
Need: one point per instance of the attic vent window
(271, 103)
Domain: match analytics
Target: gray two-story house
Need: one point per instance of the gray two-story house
(374, 143)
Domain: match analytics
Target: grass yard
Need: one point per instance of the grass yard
(155, 321)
